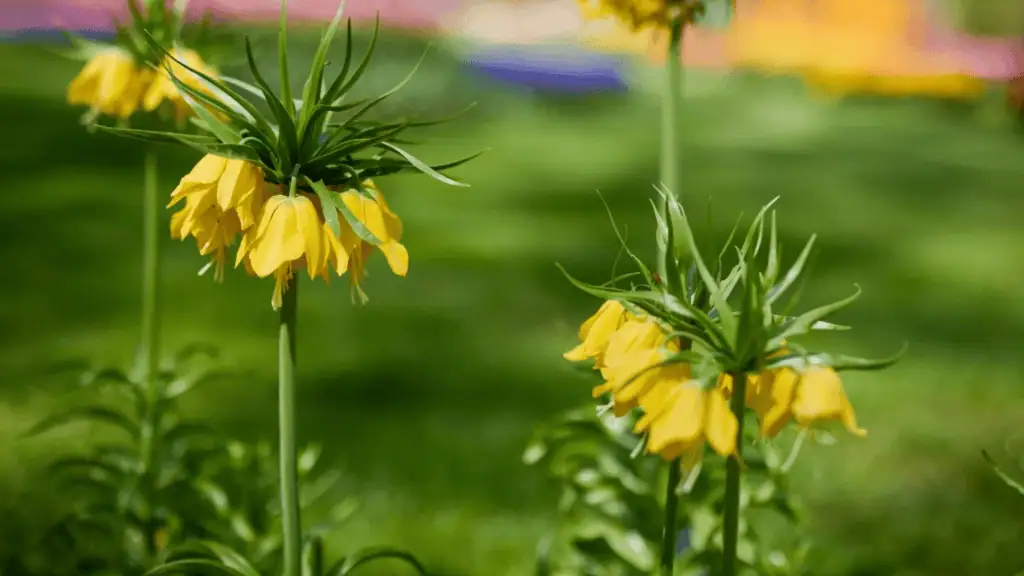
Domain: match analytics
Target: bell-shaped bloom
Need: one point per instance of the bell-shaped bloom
(289, 235)
(637, 373)
(819, 397)
(163, 88)
(111, 83)
(635, 335)
(596, 331)
(679, 416)
(216, 187)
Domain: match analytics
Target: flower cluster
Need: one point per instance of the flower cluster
(680, 413)
(115, 84)
(281, 230)
(640, 14)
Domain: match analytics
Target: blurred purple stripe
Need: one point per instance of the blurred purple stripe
(540, 69)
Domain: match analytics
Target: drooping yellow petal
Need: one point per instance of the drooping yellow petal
(596, 332)
(722, 425)
(279, 240)
(633, 335)
(204, 174)
(681, 426)
(820, 398)
(782, 387)
(311, 229)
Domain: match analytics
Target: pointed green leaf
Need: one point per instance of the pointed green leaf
(422, 166)
(725, 312)
(341, 85)
(94, 414)
(194, 567)
(312, 91)
(802, 324)
(335, 199)
(224, 131)
(371, 554)
(1002, 475)
(285, 123)
(327, 201)
(159, 137)
(793, 274)
(837, 362)
(225, 555)
(771, 273)
(231, 103)
(282, 58)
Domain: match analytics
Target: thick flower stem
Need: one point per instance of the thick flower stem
(671, 130)
(670, 535)
(291, 523)
(731, 520)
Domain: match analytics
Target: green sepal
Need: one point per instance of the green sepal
(837, 362)
(335, 200)
(802, 324)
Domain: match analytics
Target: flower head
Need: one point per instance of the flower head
(639, 14)
(110, 83)
(296, 183)
(130, 76)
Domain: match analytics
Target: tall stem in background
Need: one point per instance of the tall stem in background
(291, 524)
(149, 352)
(670, 533)
(731, 519)
(671, 130)
(149, 349)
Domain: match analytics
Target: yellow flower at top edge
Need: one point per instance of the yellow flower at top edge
(111, 83)
(637, 14)
(163, 88)
(280, 233)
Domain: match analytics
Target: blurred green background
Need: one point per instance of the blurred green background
(426, 397)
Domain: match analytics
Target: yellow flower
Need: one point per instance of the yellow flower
(292, 234)
(680, 416)
(635, 374)
(289, 235)
(637, 14)
(635, 335)
(222, 198)
(163, 88)
(596, 331)
(110, 83)
(820, 397)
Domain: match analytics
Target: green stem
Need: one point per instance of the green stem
(671, 130)
(731, 520)
(149, 349)
(291, 524)
(670, 533)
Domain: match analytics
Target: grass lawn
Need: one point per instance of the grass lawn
(426, 397)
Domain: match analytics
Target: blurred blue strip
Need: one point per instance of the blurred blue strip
(568, 72)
